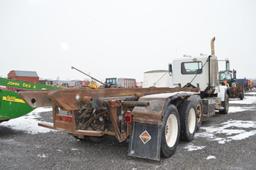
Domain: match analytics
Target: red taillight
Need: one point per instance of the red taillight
(65, 118)
(128, 117)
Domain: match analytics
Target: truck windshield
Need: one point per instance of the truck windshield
(191, 67)
(111, 81)
(225, 76)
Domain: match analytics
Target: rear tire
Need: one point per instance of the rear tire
(199, 110)
(189, 121)
(170, 131)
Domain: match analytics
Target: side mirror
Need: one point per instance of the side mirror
(170, 68)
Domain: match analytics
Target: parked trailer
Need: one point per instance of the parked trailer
(246, 83)
(120, 83)
(151, 119)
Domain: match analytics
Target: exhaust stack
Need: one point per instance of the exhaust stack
(227, 65)
(213, 47)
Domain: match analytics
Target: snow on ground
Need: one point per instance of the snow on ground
(74, 149)
(228, 131)
(192, 147)
(210, 157)
(41, 155)
(253, 93)
(234, 109)
(29, 122)
(246, 100)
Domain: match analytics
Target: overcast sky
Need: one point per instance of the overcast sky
(122, 38)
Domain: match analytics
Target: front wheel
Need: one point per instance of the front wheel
(241, 95)
(225, 105)
(170, 131)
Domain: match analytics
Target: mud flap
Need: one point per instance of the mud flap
(145, 141)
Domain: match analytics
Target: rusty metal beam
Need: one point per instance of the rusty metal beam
(114, 119)
(75, 132)
(68, 99)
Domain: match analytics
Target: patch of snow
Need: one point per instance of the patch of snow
(41, 155)
(29, 122)
(234, 109)
(222, 141)
(42, 109)
(210, 157)
(239, 124)
(229, 131)
(191, 147)
(251, 93)
(244, 135)
(74, 149)
(246, 100)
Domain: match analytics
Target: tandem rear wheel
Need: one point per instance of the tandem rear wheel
(191, 117)
(170, 131)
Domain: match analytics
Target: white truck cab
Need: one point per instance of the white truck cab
(198, 72)
(201, 73)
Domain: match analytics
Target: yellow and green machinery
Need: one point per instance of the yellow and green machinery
(11, 104)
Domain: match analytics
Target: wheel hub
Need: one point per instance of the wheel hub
(171, 130)
(191, 120)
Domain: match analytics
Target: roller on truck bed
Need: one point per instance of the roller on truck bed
(153, 120)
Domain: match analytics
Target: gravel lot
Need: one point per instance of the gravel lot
(223, 142)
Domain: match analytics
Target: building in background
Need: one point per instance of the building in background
(47, 82)
(29, 76)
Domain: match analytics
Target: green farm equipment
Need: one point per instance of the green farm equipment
(227, 77)
(11, 104)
